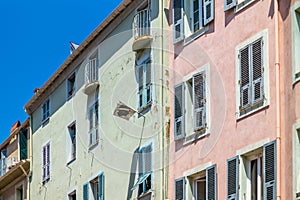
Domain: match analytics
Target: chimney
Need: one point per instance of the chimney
(15, 126)
(36, 90)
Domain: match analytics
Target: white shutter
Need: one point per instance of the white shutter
(257, 71)
(208, 11)
(245, 77)
(199, 99)
(178, 34)
(141, 85)
(228, 4)
(179, 132)
(148, 82)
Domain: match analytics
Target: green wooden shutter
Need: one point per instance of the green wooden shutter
(211, 183)
(270, 171)
(86, 191)
(257, 71)
(180, 189)
(228, 4)
(179, 132)
(199, 101)
(101, 186)
(23, 144)
(208, 11)
(245, 77)
(178, 32)
(233, 178)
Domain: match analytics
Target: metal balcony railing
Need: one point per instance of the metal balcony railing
(141, 24)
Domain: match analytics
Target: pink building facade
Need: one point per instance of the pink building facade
(235, 88)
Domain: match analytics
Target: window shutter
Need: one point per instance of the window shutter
(44, 163)
(48, 161)
(148, 82)
(270, 171)
(179, 112)
(208, 9)
(148, 159)
(23, 144)
(233, 178)
(177, 21)
(245, 77)
(257, 71)
(101, 186)
(199, 101)
(180, 189)
(228, 4)
(211, 183)
(86, 191)
(141, 84)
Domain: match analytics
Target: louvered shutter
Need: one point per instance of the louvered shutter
(199, 101)
(44, 163)
(101, 186)
(48, 161)
(228, 4)
(257, 71)
(141, 84)
(148, 82)
(270, 171)
(179, 112)
(86, 191)
(180, 189)
(23, 144)
(208, 11)
(233, 178)
(211, 183)
(147, 159)
(245, 77)
(177, 21)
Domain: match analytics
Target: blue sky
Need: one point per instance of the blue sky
(34, 39)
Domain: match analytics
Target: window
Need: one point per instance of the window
(144, 81)
(191, 105)
(3, 162)
(144, 182)
(94, 189)
(71, 87)
(71, 141)
(237, 4)
(257, 171)
(252, 84)
(45, 110)
(190, 16)
(91, 69)
(202, 185)
(93, 124)
(72, 196)
(19, 193)
(46, 163)
(296, 41)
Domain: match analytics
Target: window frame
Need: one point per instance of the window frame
(47, 164)
(295, 20)
(46, 113)
(17, 188)
(70, 145)
(68, 83)
(3, 160)
(265, 49)
(96, 123)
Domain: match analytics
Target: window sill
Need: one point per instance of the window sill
(243, 5)
(296, 79)
(240, 117)
(143, 109)
(70, 97)
(142, 196)
(195, 136)
(195, 35)
(71, 161)
(45, 122)
(93, 146)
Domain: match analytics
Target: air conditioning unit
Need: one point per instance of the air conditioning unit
(11, 162)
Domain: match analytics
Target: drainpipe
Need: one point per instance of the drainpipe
(31, 154)
(278, 100)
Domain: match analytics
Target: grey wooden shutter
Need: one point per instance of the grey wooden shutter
(270, 171)
(148, 82)
(48, 161)
(101, 186)
(180, 189)
(177, 21)
(147, 159)
(44, 163)
(228, 4)
(245, 77)
(208, 11)
(257, 71)
(211, 183)
(86, 191)
(233, 178)
(199, 101)
(179, 112)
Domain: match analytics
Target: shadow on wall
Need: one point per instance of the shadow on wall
(284, 8)
(133, 168)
